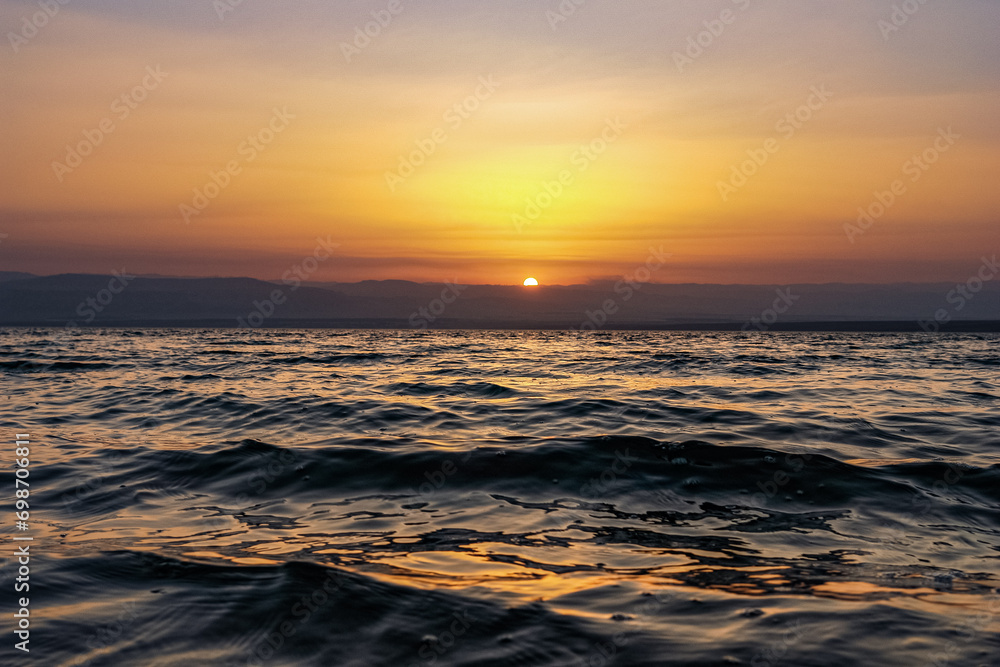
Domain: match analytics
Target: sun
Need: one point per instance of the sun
(530, 282)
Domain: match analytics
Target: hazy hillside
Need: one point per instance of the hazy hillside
(95, 300)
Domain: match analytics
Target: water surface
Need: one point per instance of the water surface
(214, 497)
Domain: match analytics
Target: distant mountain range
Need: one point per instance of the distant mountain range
(92, 300)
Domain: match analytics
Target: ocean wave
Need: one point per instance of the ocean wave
(625, 499)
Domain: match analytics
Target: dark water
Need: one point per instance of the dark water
(494, 499)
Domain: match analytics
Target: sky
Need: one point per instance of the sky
(481, 141)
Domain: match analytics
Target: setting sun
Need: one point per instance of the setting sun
(530, 282)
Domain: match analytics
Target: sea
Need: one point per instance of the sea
(499, 498)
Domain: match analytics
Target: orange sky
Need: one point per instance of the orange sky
(500, 102)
